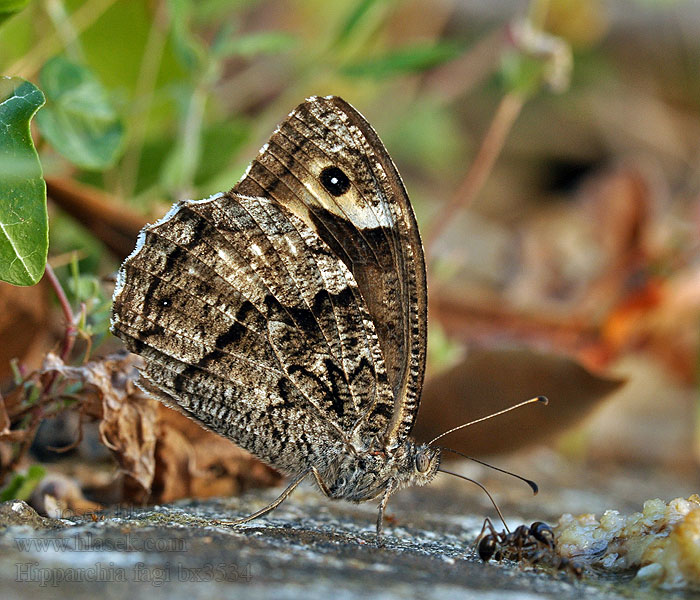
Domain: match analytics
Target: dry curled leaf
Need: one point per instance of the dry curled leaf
(129, 417)
(194, 462)
(6, 434)
(162, 454)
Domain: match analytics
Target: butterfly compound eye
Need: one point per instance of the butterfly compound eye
(422, 462)
(335, 181)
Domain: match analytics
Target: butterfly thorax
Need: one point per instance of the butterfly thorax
(359, 476)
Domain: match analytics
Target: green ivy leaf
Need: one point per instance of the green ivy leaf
(10, 7)
(79, 119)
(24, 226)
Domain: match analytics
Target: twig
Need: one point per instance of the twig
(46, 382)
(71, 326)
(74, 444)
(491, 146)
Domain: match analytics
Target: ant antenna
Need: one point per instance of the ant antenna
(541, 399)
(498, 510)
(533, 486)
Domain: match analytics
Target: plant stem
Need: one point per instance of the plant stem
(143, 99)
(491, 146)
(81, 19)
(71, 327)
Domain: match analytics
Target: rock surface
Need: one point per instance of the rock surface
(309, 547)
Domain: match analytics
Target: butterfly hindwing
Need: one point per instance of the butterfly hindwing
(326, 165)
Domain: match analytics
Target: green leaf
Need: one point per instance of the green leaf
(411, 59)
(79, 119)
(220, 142)
(266, 42)
(22, 485)
(24, 226)
(354, 19)
(10, 7)
(187, 47)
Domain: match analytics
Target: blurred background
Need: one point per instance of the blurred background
(550, 150)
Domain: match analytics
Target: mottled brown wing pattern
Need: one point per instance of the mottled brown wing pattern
(249, 323)
(367, 221)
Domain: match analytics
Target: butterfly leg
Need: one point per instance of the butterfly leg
(321, 484)
(270, 507)
(382, 505)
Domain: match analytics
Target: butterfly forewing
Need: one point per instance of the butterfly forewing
(366, 220)
(270, 347)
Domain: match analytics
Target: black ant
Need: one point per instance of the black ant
(533, 545)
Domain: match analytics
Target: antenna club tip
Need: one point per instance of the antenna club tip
(533, 486)
(543, 399)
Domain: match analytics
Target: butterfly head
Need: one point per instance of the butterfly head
(362, 476)
(426, 461)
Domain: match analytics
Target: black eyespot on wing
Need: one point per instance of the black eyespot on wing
(335, 181)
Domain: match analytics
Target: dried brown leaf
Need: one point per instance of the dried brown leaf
(4, 419)
(24, 326)
(490, 380)
(129, 417)
(8, 437)
(194, 462)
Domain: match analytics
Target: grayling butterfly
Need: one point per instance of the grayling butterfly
(289, 314)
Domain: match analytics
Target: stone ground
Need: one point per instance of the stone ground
(308, 548)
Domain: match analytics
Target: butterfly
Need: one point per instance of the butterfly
(290, 313)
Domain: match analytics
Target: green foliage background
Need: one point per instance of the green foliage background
(157, 101)
(154, 101)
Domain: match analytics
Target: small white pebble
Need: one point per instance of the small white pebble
(651, 571)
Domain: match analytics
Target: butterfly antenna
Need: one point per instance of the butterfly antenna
(498, 510)
(533, 486)
(541, 399)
